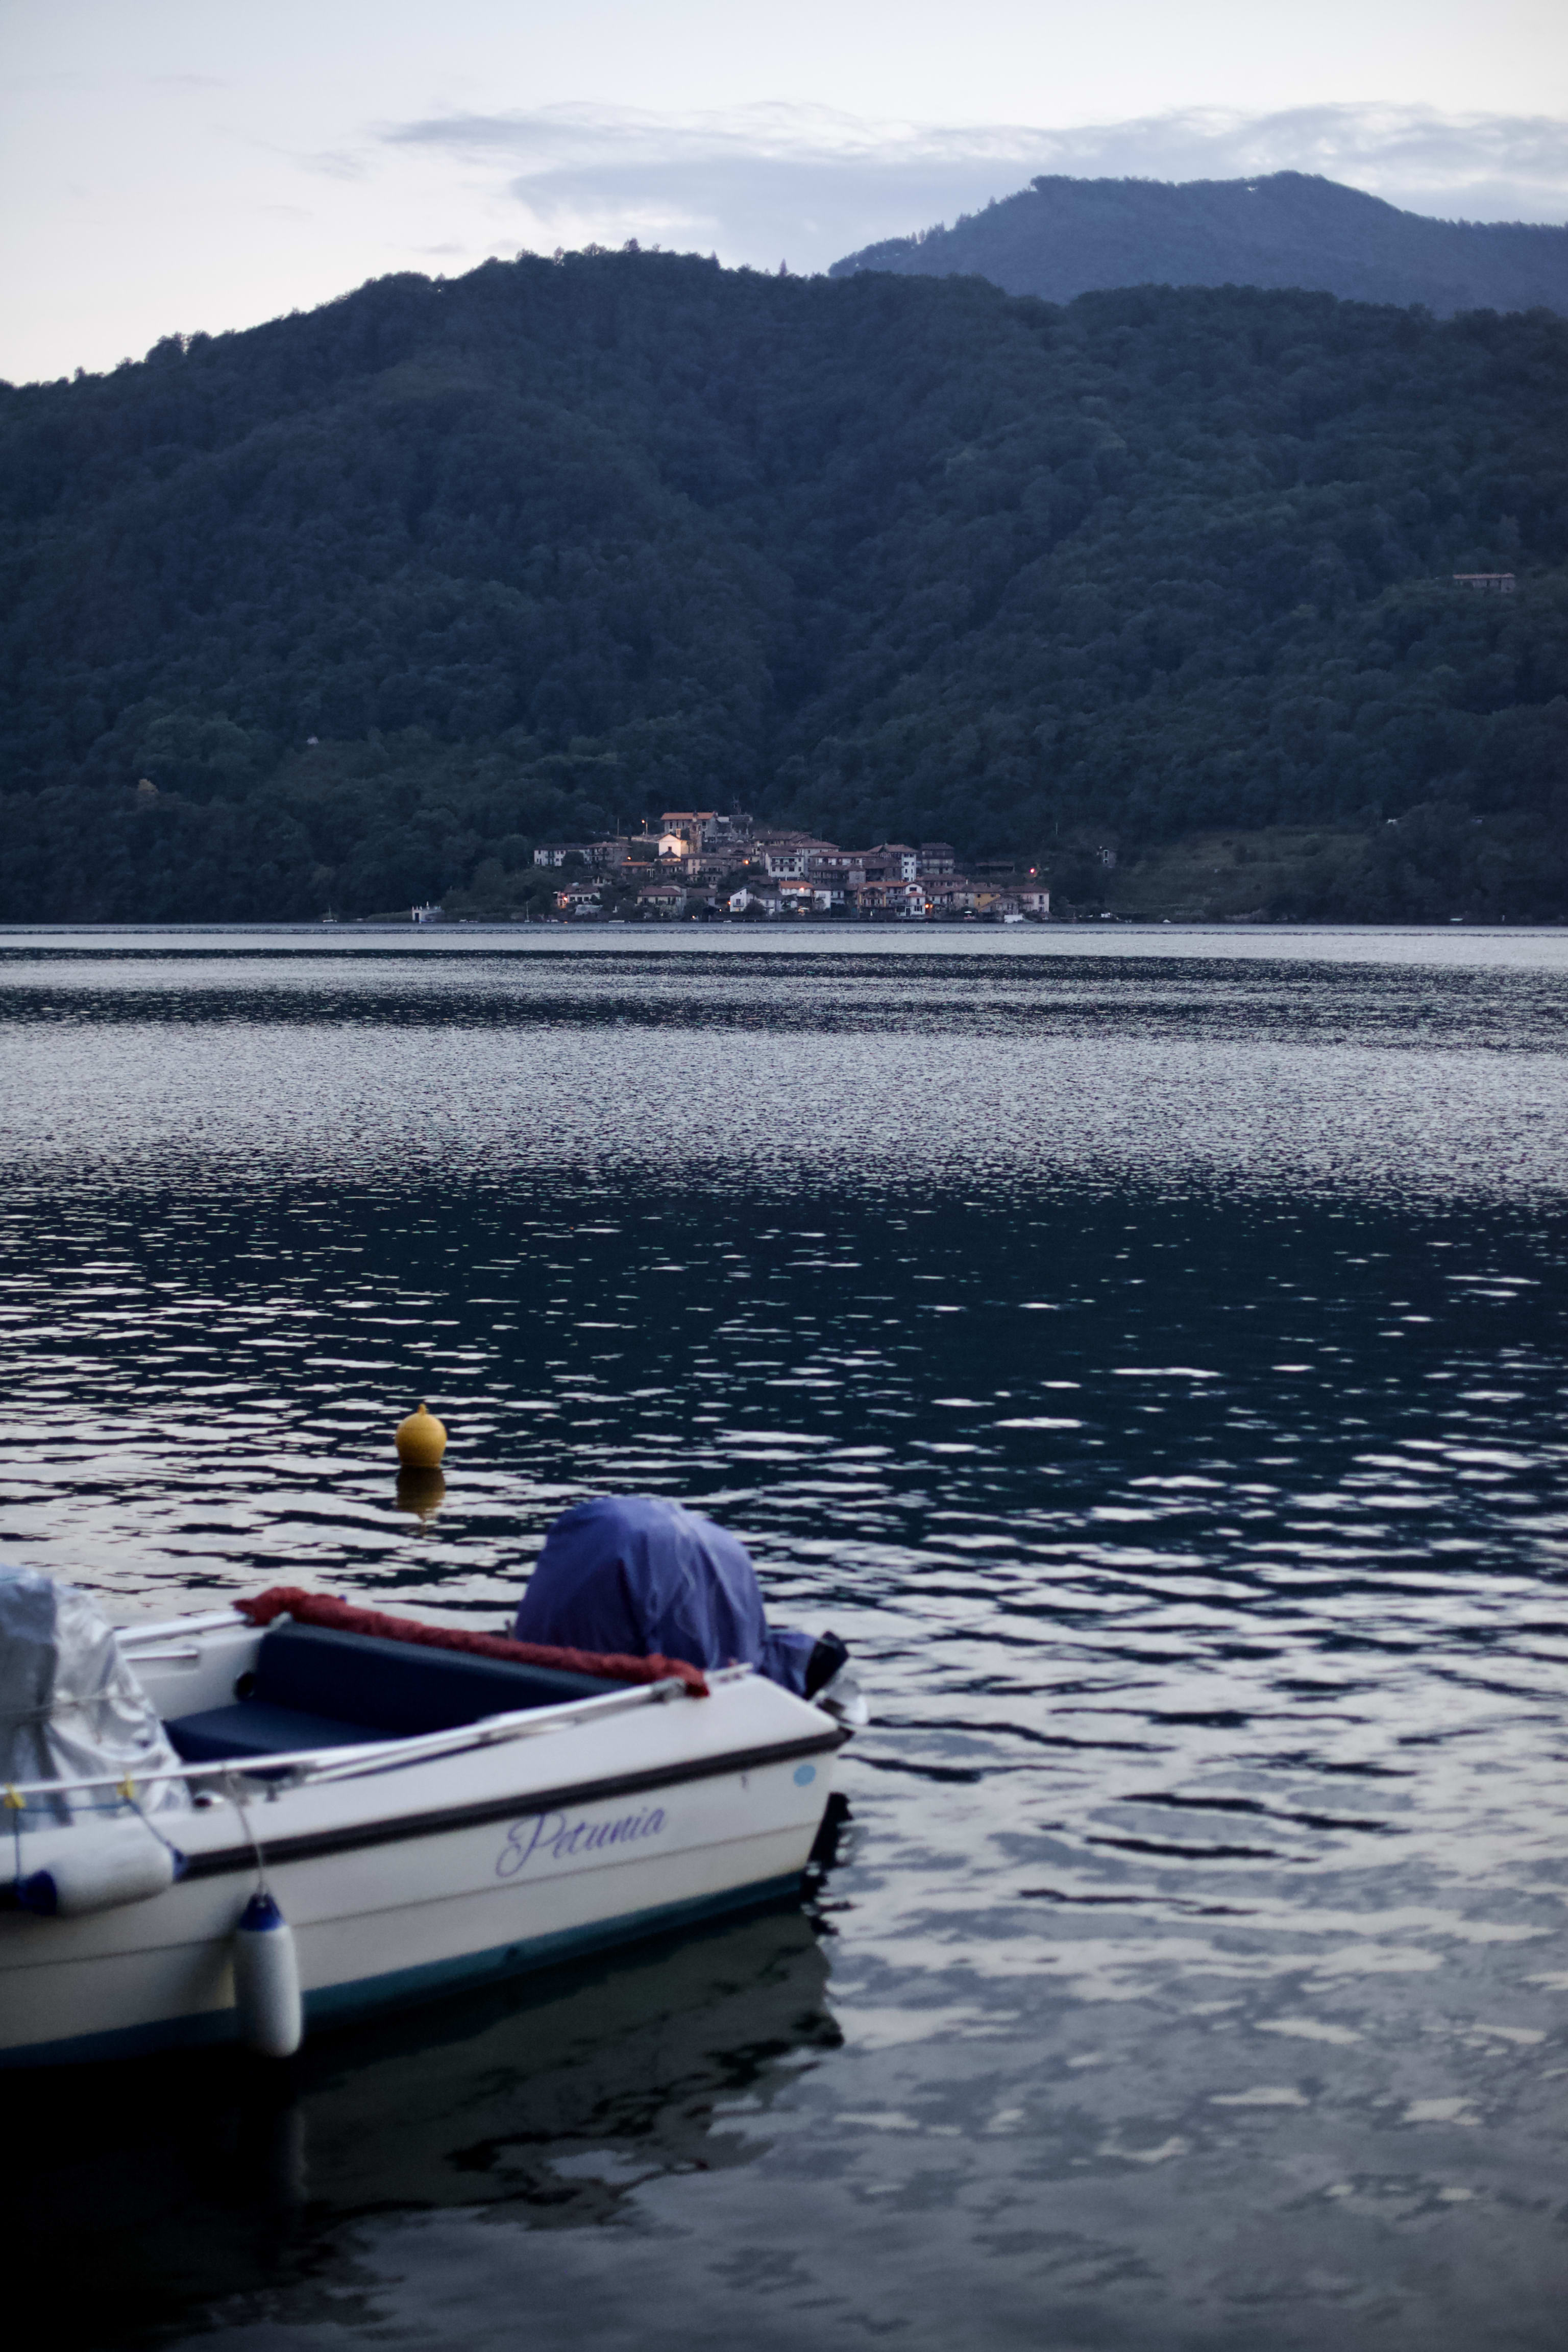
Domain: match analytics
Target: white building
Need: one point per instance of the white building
(791, 861)
(895, 857)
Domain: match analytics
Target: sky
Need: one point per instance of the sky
(170, 165)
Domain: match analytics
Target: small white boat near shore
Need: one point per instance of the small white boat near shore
(423, 1819)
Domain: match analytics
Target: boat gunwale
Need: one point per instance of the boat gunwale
(163, 1629)
(316, 1766)
(312, 1766)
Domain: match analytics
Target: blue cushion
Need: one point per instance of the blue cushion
(252, 1728)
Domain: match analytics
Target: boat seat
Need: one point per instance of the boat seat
(251, 1728)
(314, 1687)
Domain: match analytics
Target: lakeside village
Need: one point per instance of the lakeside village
(700, 863)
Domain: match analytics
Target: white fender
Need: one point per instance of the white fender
(94, 1869)
(267, 1979)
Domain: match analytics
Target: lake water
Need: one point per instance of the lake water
(1148, 1350)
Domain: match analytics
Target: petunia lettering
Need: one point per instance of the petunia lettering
(551, 1837)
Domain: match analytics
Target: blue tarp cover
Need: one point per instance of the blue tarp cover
(633, 1574)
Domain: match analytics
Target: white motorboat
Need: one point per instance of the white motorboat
(422, 1818)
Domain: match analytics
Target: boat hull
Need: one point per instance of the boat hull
(344, 2003)
(408, 1884)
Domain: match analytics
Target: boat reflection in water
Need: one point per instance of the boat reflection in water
(160, 2186)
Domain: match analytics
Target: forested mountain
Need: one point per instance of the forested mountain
(557, 544)
(1060, 237)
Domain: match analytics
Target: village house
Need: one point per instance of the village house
(731, 833)
(896, 858)
(999, 903)
(691, 826)
(791, 860)
(591, 852)
(892, 898)
(890, 861)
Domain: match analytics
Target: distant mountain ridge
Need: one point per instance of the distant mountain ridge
(1062, 238)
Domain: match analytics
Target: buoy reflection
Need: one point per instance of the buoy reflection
(421, 1492)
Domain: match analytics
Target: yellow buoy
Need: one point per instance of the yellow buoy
(421, 1441)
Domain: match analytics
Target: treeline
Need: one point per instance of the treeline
(535, 551)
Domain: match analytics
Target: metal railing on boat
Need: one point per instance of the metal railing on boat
(316, 1765)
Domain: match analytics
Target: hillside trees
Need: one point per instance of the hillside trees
(542, 549)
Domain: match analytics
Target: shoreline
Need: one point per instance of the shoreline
(1057, 927)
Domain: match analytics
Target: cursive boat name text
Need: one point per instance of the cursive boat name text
(553, 1837)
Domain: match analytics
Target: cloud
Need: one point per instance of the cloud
(334, 163)
(809, 184)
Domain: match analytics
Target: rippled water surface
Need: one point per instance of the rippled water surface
(1150, 1353)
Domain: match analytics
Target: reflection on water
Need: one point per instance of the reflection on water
(421, 1493)
(552, 2101)
(1155, 1367)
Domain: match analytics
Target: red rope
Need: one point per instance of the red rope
(320, 1609)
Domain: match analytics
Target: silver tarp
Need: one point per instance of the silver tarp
(70, 1707)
